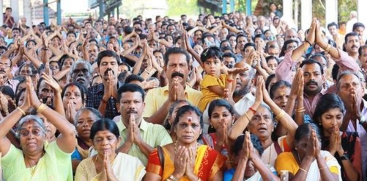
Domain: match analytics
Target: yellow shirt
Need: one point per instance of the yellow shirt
(54, 165)
(152, 134)
(156, 97)
(208, 96)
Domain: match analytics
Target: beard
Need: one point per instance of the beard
(242, 91)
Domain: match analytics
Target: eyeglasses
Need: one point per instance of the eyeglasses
(35, 132)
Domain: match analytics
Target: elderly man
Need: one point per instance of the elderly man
(81, 72)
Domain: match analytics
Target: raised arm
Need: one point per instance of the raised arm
(281, 116)
(66, 140)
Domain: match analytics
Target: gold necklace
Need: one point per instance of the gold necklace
(196, 149)
(32, 167)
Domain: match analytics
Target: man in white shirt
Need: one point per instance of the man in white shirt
(350, 23)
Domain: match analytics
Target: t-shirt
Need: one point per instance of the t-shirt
(54, 165)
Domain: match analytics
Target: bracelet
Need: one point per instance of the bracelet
(173, 178)
(308, 42)
(21, 110)
(147, 71)
(302, 109)
(253, 110)
(344, 157)
(303, 170)
(280, 115)
(323, 168)
(41, 108)
(327, 49)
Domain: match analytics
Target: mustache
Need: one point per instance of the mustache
(311, 82)
(354, 46)
(106, 72)
(175, 74)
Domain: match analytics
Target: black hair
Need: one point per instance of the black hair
(304, 130)
(335, 72)
(223, 49)
(312, 61)
(176, 50)
(314, 56)
(26, 44)
(232, 55)
(277, 85)
(249, 45)
(220, 103)
(238, 144)
(284, 48)
(184, 109)
(210, 53)
(361, 48)
(81, 88)
(327, 102)
(332, 24)
(102, 125)
(170, 111)
(21, 80)
(268, 80)
(348, 35)
(62, 60)
(357, 25)
(71, 32)
(17, 96)
(259, 36)
(238, 36)
(107, 53)
(271, 57)
(133, 77)
(130, 88)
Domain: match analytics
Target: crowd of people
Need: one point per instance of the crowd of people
(230, 97)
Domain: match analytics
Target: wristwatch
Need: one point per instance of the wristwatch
(362, 120)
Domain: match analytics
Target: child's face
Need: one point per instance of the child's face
(212, 66)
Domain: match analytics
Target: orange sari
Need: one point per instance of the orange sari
(208, 162)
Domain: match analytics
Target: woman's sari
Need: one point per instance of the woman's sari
(125, 167)
(207, 163)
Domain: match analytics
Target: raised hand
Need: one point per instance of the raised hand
(335, 142)
(130, 135)
(51, 82)
(311, 33)
(70, 111)
(4, 103)
(190, 161)
(296, 84)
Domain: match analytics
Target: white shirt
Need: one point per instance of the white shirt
(244, 103)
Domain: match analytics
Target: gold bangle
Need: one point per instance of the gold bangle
(323, 168)
(280, 115)
(41, 108)
(303, 170)
(302, 109)
(327, 49)
(21, 110)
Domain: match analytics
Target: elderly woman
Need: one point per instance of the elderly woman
(107, 165)
(36, 160)
(84, 120)
(185, 159)
(307, 161)
(260, 122)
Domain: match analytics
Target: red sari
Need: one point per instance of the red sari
(207, 163)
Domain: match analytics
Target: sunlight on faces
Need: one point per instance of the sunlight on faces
(31, 137)
(212, 66)
(331, 118)
(131, 104)
(262, 124)
(281, 96)
(188, 128)
(221, 114)
(106, 142)
(73, 94)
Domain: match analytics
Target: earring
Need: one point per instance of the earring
(295, 149)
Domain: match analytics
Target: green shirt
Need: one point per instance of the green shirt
(152, 134)
(54, 165)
